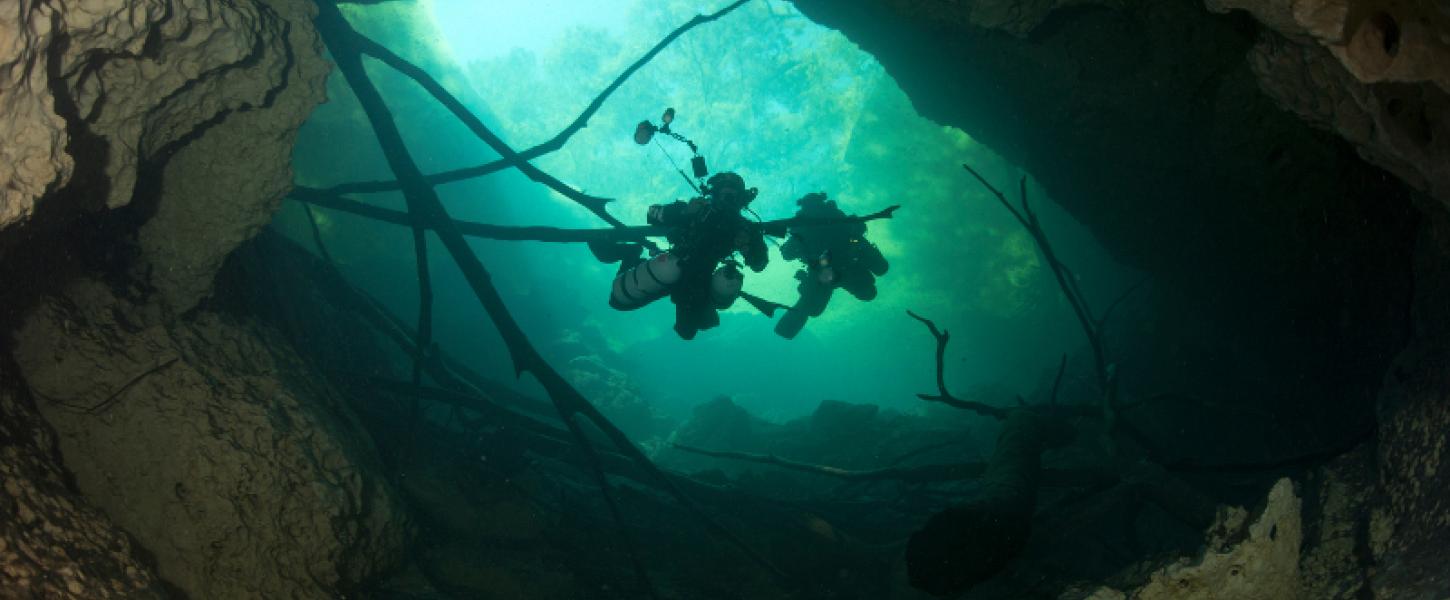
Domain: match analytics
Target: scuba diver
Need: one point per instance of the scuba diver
(699, 271)
(835, 256)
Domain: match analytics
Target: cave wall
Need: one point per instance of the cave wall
(1279, 258)
(145, 141)
(54, 543)
(1279, 168)
(1375, 72)
(179, 114)
(207, 439)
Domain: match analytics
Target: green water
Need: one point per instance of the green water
(791, 106)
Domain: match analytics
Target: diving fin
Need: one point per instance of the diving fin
(611, 252)
(766, 307)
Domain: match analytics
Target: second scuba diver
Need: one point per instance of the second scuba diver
(835, 256)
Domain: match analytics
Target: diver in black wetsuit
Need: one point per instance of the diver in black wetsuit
(835, 256)
(703, 233)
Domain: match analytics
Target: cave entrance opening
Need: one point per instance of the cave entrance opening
(792, 106)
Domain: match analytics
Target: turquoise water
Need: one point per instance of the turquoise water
(791, 106)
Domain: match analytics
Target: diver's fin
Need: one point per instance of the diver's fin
(610, 252)
(766, 307)
(791, 324)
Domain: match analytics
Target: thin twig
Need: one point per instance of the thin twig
(1057, 381)
(1119, 300)
(943, 396)
(595, 204)
(998, 193)
(914, 474)
(110, 400)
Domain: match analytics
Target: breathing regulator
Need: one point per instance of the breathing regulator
(645, 131)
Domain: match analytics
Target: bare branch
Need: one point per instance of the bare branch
(1119, 300)
(423, 203)
(443, 96)
(1057, 381)
(915, 474)
(556, 142)
(638, 234)
(943, 396)
(998, 193)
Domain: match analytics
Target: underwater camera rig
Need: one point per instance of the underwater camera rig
(645, 131)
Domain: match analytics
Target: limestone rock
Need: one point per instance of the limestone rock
(1244, 560)
(1337, 497)
(211, 443)
(1411, 526)
(220, 188)
(1377, 73)
(98, 93)
(53, 542)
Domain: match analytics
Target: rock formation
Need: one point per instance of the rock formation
(1147, 122)
(1376, 73)
(53, 542)
(213, 445)
(1245, 559)
(144, 142)
(183, 110)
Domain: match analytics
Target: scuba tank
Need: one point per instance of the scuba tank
(648, 281)
(725, 286)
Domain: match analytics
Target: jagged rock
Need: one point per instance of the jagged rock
(222, 187)
(615, 393)
(1410, 524)
(53, 542)
(211, 443)
(1244, 560)
(1390, 102)
(101, 93)
(1411, 532)
(1337, 496)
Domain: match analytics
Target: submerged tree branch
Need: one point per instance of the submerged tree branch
(914, 474)
(943, 396)
(595, 204)
(326, 199)
(556, 142)
(343, 42)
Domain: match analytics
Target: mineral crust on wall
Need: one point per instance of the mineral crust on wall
(99, 97)
(1375, 72)
(144, 141)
